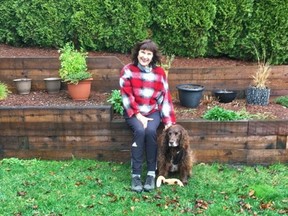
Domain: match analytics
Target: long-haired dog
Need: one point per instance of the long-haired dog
(174, 153)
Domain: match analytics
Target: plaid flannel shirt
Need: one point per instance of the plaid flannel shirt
(146, 92)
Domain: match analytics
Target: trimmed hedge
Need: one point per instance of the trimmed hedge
(189, 28)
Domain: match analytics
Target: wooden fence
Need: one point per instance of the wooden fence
(91, 132)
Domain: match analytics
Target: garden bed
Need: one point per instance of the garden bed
(272, 111)
(46, 126)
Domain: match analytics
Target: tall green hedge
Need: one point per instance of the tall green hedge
(181, 27)
(8, 23)
(228, 25)
(43, 23)
(266, 30)
(189, 28)
(109, 24)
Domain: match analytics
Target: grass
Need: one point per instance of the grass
(87, 187)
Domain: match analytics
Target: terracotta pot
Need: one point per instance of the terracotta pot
(23, 85)
(80, 91)
(52, 84)
(190, 94)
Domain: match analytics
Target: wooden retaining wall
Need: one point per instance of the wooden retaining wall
(106, 69)
(90, 132)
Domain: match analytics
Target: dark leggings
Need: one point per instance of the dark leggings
(144, 139)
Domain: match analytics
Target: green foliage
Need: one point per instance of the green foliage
(188, 28)
(42, 22)
(181, 27)
(228, 25)
(89, 187)
(4, 91)
(265, 28)
(9, 23)
(73, 64)
(220, 114)
(115, 99)
(110, 25)
(283, 100)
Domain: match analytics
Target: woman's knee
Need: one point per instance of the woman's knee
(150, 132)
(139, 131)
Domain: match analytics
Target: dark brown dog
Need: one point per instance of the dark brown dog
(174, 154)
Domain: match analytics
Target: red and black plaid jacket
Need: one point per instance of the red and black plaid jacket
(146, 92)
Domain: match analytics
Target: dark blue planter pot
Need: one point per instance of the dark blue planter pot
(225, 96)
(190, 94)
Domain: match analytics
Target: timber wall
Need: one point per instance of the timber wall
(106, 69)
(91, 132)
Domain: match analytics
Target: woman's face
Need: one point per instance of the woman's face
(145, 57)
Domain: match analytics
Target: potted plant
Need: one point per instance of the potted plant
(4, 91)
(23, 85)
(73, 71)
(190, 94)
(258, 93)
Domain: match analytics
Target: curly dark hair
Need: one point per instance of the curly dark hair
(146, 45)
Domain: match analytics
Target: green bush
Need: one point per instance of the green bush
(44, 23)
(9, 23)
(220, 114)
(188, 28)
(267, 30)
(181, 27)
(228, 25)
(109, 24)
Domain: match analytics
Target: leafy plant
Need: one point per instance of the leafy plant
(115, 99)
(73, 64)
(4, 91)
(283, 100)
(220, 114)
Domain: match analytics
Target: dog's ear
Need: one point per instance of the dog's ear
(163, 138)
(184, 138)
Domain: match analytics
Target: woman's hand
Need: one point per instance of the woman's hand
(167, 126)
(144, 120)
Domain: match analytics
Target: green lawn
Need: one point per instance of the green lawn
(87, 187)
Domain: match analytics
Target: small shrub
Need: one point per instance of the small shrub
(283, 100)
(115, 99)
(220, 114)
(4, 91)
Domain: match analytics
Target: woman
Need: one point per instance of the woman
(146, 101)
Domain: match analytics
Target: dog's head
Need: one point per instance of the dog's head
(175, 136)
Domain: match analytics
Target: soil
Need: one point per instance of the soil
(42, 98)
